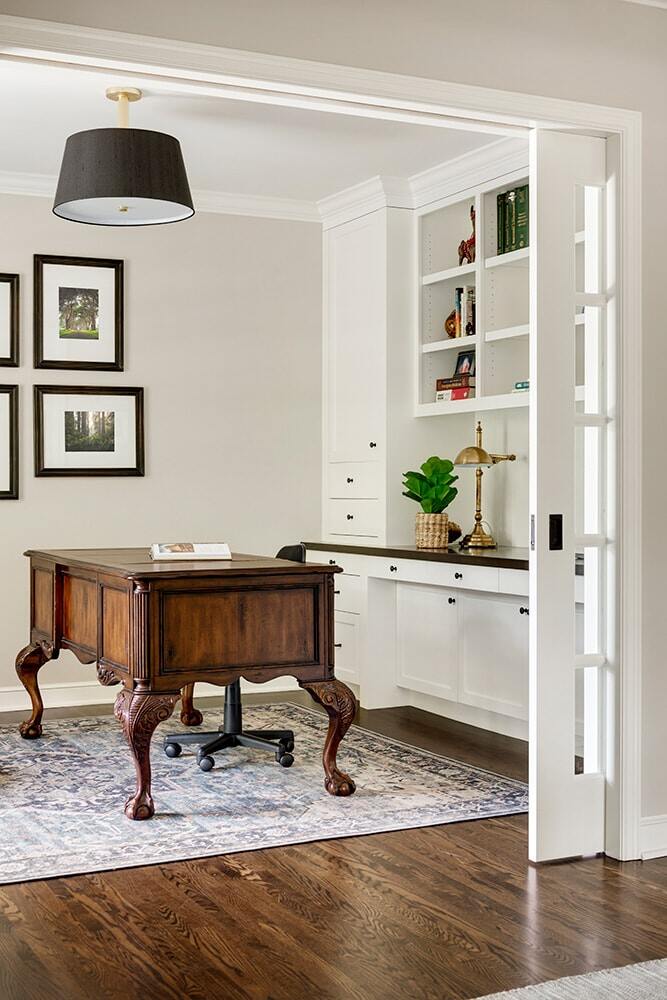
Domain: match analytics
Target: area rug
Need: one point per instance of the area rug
(61, 797)
(647, 981)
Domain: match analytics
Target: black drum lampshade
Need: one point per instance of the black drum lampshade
(123, 176)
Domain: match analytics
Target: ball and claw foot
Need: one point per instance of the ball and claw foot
(339, 783)
(139, 807)
(192, 718)
(30, 730)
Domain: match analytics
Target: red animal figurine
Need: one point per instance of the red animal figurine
(467, 247)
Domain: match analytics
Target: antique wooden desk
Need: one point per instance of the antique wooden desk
(158, 627)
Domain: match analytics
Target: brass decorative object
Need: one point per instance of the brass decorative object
(476, 457)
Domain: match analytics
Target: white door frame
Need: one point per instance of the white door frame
(230, 73)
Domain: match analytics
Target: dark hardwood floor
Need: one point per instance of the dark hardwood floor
(444, 912)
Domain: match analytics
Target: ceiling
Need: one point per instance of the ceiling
(232, 146)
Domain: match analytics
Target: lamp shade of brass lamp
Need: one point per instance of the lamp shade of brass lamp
(476, 457)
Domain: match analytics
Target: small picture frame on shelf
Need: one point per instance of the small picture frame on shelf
(78, 313)
(88, 430)
(9, 320)
(465, 363)
(9, 442)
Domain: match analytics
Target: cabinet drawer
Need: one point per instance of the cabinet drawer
(438, 574)
(346, 639)
(360, 480)
(354, 517)
(513, 581)
(348, 562)
(347, 593)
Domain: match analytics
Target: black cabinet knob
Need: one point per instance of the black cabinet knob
(337, 645)
(524, 611)
(451, 600)
(336, 591)
(350, 517)
(458, 576)
(372, 444)
(332, 562)
(393, 569)
(350, 479)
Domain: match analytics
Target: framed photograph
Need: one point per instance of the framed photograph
(465, 363)
(78, 313)
(9, 442)
(9, 320)
(88, 430)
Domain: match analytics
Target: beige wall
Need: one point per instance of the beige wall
(222, 328)
(601, 51)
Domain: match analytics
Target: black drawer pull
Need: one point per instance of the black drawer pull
(336, 591)
(372, 444)
(451, 600)
(337, 645)
(332, 562)
(524, 611)
(393, 569)
(350, 479)
(350, 517)
(458, 576)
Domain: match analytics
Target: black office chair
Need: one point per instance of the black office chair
(231, 733)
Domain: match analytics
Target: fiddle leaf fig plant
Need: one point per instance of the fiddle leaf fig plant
(432, 487)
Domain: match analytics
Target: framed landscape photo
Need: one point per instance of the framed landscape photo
(88, 430)
(78, 319)
(9, 442)
(9, 320)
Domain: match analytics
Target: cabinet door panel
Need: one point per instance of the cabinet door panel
(354, 517)
(494, 654)
(355, 311)
(427, 639)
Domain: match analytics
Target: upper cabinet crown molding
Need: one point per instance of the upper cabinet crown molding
(369, 196)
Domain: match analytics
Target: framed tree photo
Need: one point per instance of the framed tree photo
(9, 442)
(88, 430)
(9, 320)
(78, 318)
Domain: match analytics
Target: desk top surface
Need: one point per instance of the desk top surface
(136, 563)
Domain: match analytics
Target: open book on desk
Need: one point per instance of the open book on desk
(190, 550)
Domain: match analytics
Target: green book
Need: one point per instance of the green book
(521, 214)
(501, 223)
(510, 221)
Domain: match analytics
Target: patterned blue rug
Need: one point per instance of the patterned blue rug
(61, 797)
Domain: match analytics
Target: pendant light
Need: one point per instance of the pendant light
(123, 176)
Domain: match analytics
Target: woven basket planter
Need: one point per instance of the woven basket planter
(431, 531)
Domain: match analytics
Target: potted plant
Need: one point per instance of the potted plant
(431, 488)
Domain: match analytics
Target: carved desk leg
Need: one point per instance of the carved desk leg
(190, 716)
(139, 714)
(340, 705)
(28, 663)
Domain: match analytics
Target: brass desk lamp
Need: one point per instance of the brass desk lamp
(477, 458)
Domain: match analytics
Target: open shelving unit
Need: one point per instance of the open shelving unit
(501, 283)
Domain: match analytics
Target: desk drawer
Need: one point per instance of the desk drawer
(439, 574)
(357, 480)
(354, 517)
(347, 593)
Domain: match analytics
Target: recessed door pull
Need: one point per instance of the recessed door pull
(451, 600)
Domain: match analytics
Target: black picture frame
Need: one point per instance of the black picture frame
(39, 260)
(40, 391)
(12, 360)
(461, 358)
(13, 492)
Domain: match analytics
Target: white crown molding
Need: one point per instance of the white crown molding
(649, 3)
(360, 199)
(217, 202)
(466, 171)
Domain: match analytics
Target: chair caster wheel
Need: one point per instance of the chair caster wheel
(286, 760)
(206, 763)
(173, 749)
(287, 745)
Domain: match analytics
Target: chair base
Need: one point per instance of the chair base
(279, 742)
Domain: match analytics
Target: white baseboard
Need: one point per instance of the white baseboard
(653, 837)
(72, 695)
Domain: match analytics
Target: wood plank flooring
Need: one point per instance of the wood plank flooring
(446, 912)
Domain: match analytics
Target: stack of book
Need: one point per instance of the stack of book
(513, 219)
(456, 387)
(522, 386)
(464, 311)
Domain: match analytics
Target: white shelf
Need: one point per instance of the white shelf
(451, 272)
(513, 258)
(580, 236)
(447, 345)
(579, 393)
(579, 319)
(503, 402)
(522, 330)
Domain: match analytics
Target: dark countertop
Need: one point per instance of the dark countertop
(503, 557)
